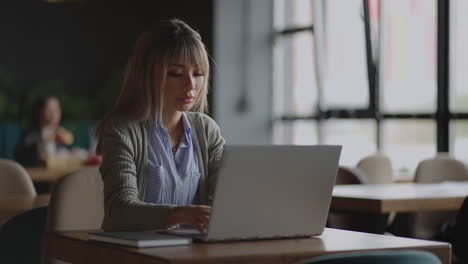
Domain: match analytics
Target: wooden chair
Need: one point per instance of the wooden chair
(14, 179)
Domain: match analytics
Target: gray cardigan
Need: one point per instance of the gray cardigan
(124, 170)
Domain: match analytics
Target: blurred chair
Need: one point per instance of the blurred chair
(376, 257)
(21, 237)
(377, 167)
(14, 179)
(348, 175)
(77, 202)
(363, 222)
(441, 168)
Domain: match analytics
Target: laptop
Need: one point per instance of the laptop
(271, 191)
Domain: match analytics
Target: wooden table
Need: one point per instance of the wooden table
(50, 175)
(11, 205)
(402, 197)
(74, 247)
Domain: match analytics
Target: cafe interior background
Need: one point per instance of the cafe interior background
(375, 76)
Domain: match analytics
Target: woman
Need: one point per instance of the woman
(158, 158)
(44, 137)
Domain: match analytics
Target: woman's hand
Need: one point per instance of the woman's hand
(196, 215)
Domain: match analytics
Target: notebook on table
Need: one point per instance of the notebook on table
(271, 191)
(139, 239)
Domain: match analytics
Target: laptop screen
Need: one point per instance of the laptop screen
(273, 191)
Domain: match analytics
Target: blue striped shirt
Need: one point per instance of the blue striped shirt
(172, 179)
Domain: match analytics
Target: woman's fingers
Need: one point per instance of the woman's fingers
(196, 215)
(200, 228)
(203, 219)
(201, 216)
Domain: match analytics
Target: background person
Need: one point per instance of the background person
(44, 137)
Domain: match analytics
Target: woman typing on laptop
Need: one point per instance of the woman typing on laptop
(159, 152)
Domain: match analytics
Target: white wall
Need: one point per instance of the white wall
(243, 70)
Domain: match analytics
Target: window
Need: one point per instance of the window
(345, 84)
(459, 139)
(300, 132)
(357, 136)
(304, 105)
(407, 81)
(459, 58)
(366, 74)
(458, 78)
(408, 56)
(294, 70)
(408, 141)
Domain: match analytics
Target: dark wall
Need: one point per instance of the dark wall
(83, 43)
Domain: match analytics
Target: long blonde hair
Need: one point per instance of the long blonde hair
(142, 92)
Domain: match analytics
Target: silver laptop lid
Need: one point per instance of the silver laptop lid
(273, 191)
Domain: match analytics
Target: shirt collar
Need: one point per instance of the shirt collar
(187, 131)
(187, 139)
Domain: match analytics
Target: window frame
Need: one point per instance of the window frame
(442, 115)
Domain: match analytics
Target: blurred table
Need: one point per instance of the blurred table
(401, 197)
(74, 247)
(11, 205)
(45, 178)
(51, 174)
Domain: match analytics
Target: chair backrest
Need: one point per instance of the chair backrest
(352, 221)
(21, 237)
(77, 202)
(14, 179)
(376, 257)
(348, 175)
(377, 167)
(440, 168)
(437, 169)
